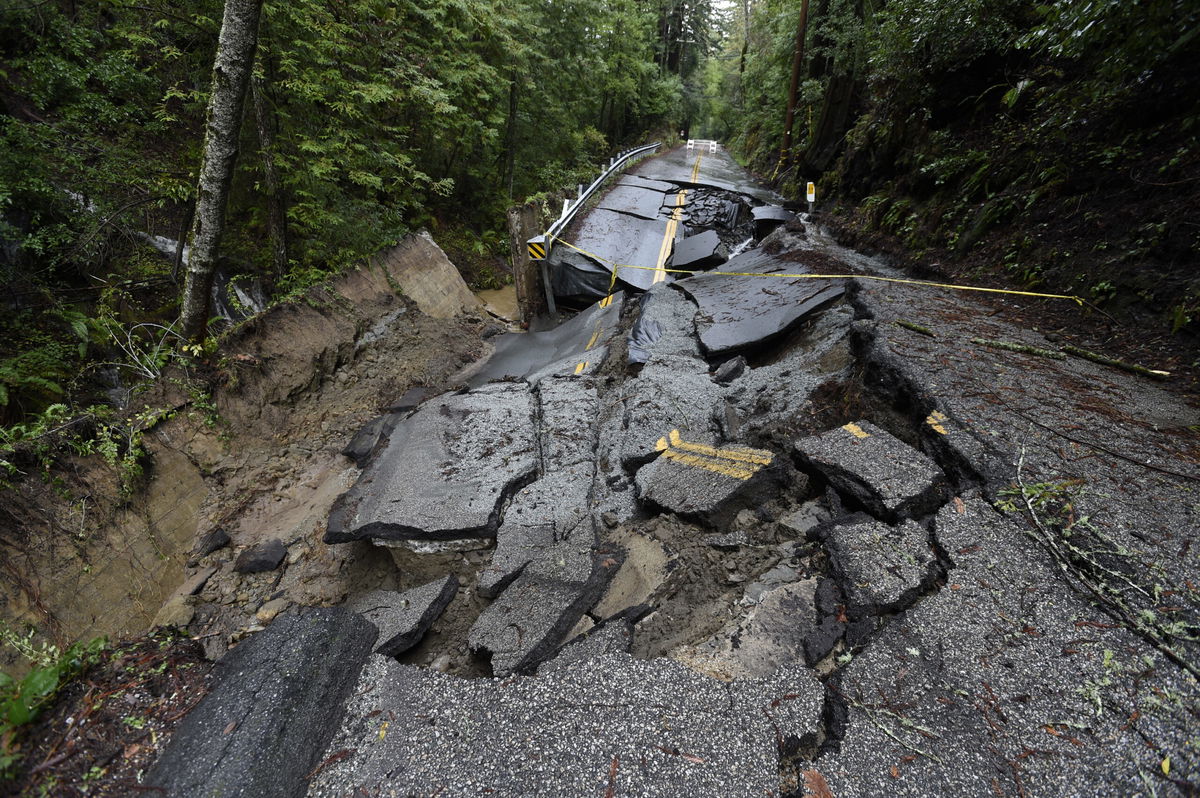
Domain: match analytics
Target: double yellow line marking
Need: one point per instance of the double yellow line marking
(738, 462)
(597, 331)
(664, 250)
(935, 420)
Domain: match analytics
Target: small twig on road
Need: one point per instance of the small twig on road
(611, 792)
(1117, 364)
(917, 328)
(1010, 346)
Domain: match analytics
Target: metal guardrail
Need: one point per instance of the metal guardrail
(539, 246)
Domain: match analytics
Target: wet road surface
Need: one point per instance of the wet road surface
(813, 540)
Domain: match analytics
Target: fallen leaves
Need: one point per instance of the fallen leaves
(815, 785)
(611, 792)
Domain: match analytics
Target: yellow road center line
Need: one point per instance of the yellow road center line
(856, 431)
(935, 420)
(715, 466)
(740, 455)
(594, 338)
(579, 369)
(664, 250)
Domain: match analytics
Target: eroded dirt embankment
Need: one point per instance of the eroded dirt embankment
(254, 459)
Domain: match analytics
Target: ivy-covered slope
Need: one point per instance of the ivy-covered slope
(1045, 145)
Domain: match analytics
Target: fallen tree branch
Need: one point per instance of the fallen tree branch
(1117, 364)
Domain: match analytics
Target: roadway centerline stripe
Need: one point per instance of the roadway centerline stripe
(664, 250)
(715, 466)
(579, 368)
(856, 431)
(746, 455)
(595, 337)
(935, 420)
(736, 464)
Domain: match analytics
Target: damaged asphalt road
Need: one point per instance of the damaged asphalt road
(753, 535)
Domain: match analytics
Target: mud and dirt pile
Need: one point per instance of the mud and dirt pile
(248, 456)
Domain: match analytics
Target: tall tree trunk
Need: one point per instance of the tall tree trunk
(231, 75)
(794, 89)
(745, 37)
(276, 212)
(510, 135)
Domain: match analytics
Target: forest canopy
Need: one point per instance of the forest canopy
(366, 119)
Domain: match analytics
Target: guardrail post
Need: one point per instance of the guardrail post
(538, 247)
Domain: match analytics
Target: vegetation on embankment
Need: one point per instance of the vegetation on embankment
(364, 120)
(1051, 146)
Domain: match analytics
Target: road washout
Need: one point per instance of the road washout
(826, 557)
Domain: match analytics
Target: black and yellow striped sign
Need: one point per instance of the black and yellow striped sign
(537, 248)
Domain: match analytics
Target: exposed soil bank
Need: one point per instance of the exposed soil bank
(257, 458)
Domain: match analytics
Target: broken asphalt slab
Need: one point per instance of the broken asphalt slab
(276, 702)
(527, 623)
(555, 507)
(403, 618)
(699, 252)
(882, 568)
(535, 356)
(653, 729)
(738, 312)
(886, 476)
(951, 698)
(699, 480)
(445, 471)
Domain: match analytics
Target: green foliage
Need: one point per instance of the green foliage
(379, 118)
(21, 700)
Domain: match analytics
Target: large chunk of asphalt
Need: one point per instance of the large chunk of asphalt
(701, 481)
(665, 325)
(535, 356)
(738, 312)
(606, 725)
(881, 568)
(552, 508)
(445, 472)
(403, 618)
(527, 623)
(699, 252)
(765, 638)
(882, 473)
(1001, 661)
(276, 702)
(767, 218)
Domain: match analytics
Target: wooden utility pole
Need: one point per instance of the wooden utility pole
(785, 153)
(231, 76)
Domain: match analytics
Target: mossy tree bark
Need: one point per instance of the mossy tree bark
(231, 76)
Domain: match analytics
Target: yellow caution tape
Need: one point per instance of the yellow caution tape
(902, 281)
